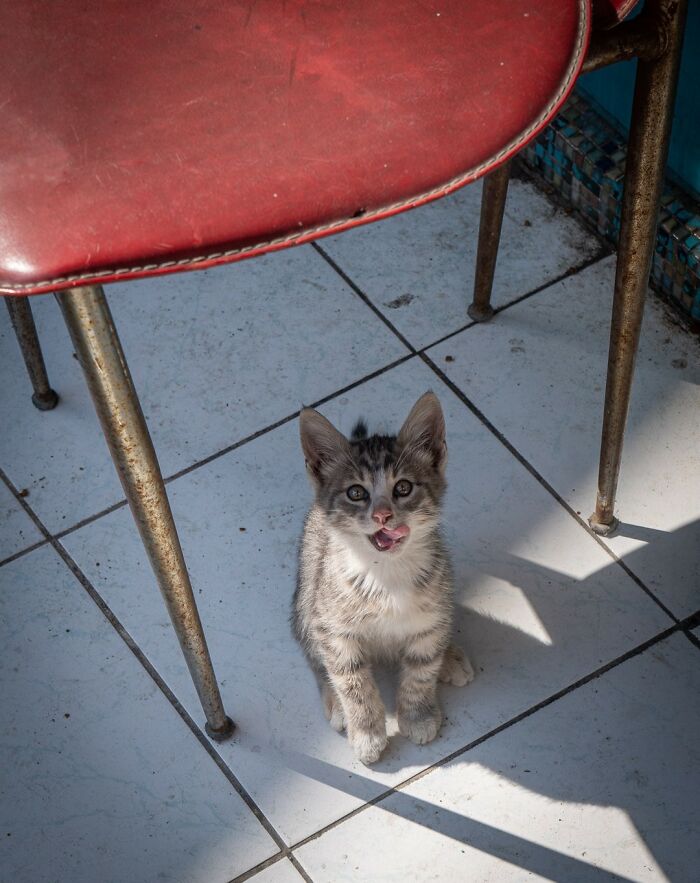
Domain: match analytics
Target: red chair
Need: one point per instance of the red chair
(142, 139)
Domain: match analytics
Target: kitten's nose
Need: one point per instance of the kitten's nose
(381, 516)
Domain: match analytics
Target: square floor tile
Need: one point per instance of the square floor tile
(101, 779)
(215, 355)
(540, 603)
(418, 267)
(601, 785)
(537, 371)
(17, 530)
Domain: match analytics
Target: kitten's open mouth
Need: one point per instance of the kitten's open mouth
(389, 538)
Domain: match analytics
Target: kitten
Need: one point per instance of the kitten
(374, 578)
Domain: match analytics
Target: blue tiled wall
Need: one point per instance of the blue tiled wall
(582, 155)
(612, 89)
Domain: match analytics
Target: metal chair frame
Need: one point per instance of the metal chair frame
(655, 38)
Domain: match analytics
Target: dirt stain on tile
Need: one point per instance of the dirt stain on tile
(403, 300)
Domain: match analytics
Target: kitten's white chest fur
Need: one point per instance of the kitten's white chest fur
(390, 582)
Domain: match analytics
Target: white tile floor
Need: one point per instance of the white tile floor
(573, 756)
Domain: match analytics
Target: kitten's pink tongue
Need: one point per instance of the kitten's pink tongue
(395, 533)
(387, 537)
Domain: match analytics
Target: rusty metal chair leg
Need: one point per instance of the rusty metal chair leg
(652, 114)
(97, 345)
(44, 398)
(493, 201)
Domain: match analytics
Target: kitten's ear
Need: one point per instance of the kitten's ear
(423, 433)
(322, 444)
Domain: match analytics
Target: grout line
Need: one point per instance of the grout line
(211, 457)
(689, 623)
(26, 551)
(261, 866)
(630, 654)
(150, 668)
(694, 640)
(692, 621)
(363, 297)
(90, 518)
(273, 860)
(36, 521)
(288, 418)
(297, 864)
(543, 481)
(602, 253)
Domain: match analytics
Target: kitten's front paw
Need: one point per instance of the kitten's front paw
(368, 747)
(456, 668)
(421, 728)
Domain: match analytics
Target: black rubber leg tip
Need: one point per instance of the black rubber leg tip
(45, 402)
(602, 528)
(222, 733)
(480, 314)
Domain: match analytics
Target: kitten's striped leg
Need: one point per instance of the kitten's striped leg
(417, 707)
(351, 679)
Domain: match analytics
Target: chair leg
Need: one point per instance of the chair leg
(493, 201)
(44, 398)
(98, 348)
(652, 115)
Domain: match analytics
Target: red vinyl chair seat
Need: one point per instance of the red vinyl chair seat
(142, 138)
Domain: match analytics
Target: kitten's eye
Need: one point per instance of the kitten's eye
(403, 488)
(357, 493)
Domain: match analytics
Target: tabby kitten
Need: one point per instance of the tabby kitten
(374, 578)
